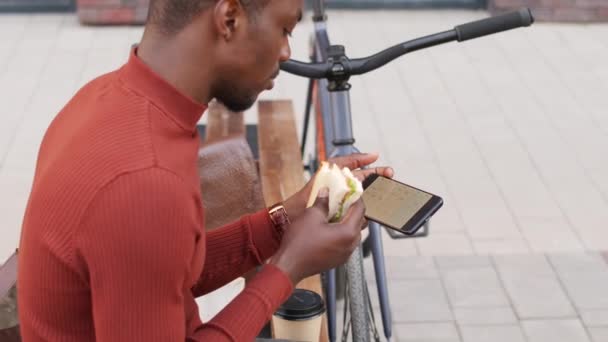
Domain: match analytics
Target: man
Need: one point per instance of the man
(113, 246)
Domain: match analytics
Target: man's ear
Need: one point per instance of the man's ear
(228, 15)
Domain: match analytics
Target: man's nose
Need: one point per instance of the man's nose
(285, 52)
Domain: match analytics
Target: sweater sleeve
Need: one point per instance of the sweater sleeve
(139, 244)
(236, 248)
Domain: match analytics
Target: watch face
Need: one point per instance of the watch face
(279, 217)
(280, 214)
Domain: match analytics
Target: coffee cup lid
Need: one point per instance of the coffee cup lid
(303, 304)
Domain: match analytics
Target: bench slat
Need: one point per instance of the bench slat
(221, 122)
(281, 165)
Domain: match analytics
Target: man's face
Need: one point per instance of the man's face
(252, 57)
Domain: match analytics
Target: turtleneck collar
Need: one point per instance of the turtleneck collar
(183, 109)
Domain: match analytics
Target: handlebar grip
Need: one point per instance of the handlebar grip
(496, 24)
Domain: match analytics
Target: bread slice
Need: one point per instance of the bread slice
(344, 189)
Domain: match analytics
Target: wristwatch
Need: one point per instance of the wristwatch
(279, 218)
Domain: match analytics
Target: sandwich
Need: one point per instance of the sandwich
(344, 189)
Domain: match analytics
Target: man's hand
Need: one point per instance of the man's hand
(296, 204)
(312, 245)
(358, 160)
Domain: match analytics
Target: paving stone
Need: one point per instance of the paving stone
(599, 334)
(453, 244)
(485, 316)
(594, 318)
(427, 332)
(538, 297)
(551, 235)
(554, 330)
(470, 288)
(421, 300)
(567, 263)
(523, 264)
(398, 248)
(410, 267)
(587, 290)
(494, 333)
(501, 246)
(463, 261)
(533, 287)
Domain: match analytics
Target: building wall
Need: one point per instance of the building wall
(107, 12)
(135, 11)
(36, 5)
(557, 10)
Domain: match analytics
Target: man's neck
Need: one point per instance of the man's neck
(171, 60)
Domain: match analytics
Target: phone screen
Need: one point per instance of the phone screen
(395, 204)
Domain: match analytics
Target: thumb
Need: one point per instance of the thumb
(322, 201)
(356, 215)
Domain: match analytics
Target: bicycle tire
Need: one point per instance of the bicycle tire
(357, 299)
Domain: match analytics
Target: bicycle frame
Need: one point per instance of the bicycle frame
(334, 137)
(329, 72)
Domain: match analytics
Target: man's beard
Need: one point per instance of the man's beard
(236, 100)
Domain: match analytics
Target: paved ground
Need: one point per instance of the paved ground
(511, 130)
(510, 298)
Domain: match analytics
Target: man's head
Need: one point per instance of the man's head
(244, 41)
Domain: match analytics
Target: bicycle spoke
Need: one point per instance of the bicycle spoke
(346, 319)
(373, 326)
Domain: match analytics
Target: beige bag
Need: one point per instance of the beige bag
(9, 322)
(230, 183)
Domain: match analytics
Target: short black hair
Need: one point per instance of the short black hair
(170, 16)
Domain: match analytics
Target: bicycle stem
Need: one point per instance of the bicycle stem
(318, 7)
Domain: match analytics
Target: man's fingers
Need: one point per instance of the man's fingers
(356, 242)
(385, 171)
(356, 215)
(355, 160)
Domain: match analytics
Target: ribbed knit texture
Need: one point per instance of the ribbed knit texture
(113, 246)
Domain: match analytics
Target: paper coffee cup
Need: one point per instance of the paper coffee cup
(299, 318)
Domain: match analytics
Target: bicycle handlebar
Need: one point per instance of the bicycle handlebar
(342, 67)
(493, 25)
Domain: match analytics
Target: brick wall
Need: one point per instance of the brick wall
(131, 12)
(557, 10)
(112, 12)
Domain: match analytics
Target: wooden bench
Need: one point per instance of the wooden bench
(222, 123)
(280, 160)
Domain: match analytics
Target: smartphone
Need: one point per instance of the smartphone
(396, 205)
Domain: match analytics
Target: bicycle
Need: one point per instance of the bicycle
(328, 91)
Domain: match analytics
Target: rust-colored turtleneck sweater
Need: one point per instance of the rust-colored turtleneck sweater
(113, 246)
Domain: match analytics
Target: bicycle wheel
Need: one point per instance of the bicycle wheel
(357, 297)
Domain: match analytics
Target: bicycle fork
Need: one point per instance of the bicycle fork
(342, 139)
